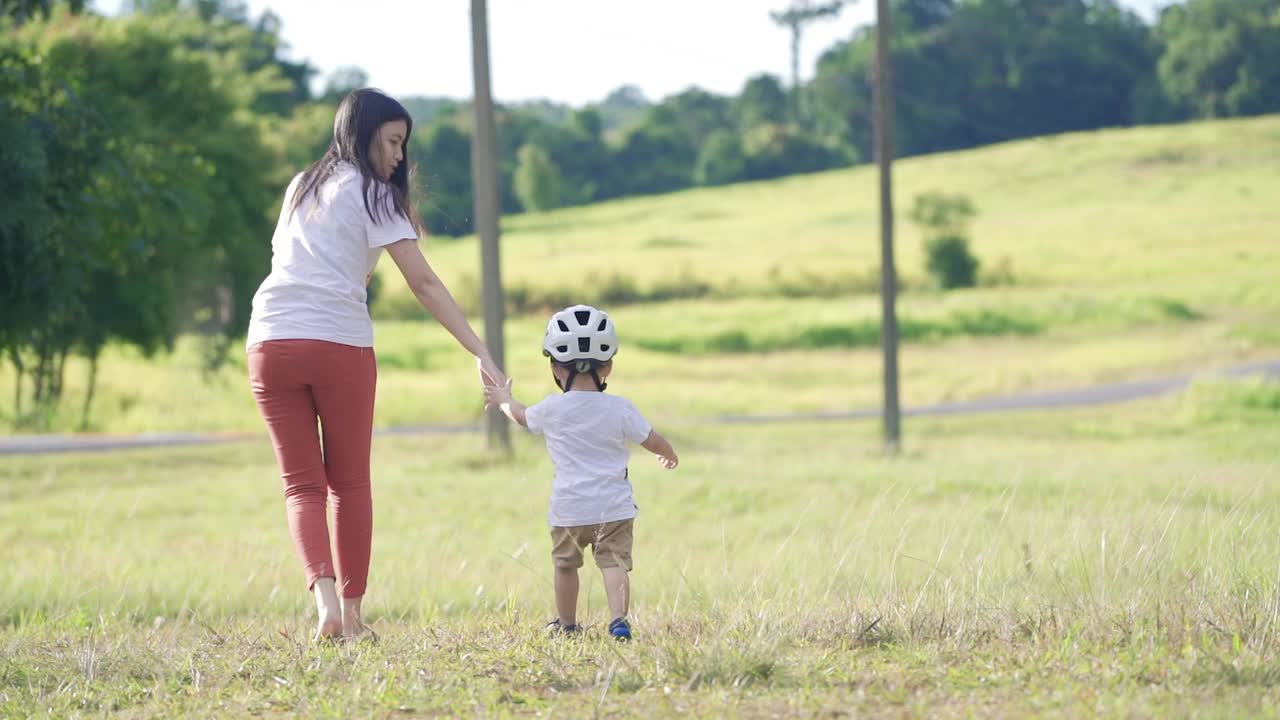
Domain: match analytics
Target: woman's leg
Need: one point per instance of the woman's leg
(278, 374)
(345, 401)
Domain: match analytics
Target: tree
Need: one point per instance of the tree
(537, 179)
(722, 159)
(698, 114)
(776, 150)
(657, 156)
(924, 15)
(23, 10)
(761, 102)
(623, 107)
(1222, 57)
(442, 154)
(148, 191)
(342, 81)
(794, 18)
(989, 70)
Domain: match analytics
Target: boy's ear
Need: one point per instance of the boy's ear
(605, 369)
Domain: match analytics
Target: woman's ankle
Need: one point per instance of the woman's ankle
(352, 621)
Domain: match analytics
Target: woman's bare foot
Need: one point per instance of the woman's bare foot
(353, 627)
(328, 610)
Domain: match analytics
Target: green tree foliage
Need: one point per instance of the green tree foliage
(656, 156)
(622, 108)
(777, 150)
(341, 82)
(763, 101)
(988, 70)
(537, 179)
(1222, 57)
(23, 10)
(442, 154)
(944, 221)
(722, 159)
(141, 190)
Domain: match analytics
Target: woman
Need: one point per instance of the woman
(310, 341)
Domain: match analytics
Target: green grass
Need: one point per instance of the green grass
(1093, 562)
(1119, 253)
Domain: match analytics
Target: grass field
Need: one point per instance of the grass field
(1108, 254)
(1117, 562)
(1098, 562)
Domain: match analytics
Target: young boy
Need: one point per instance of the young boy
(587, 434)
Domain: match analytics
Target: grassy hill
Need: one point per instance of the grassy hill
(1105, 254)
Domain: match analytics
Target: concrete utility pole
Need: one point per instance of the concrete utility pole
(484, 181)
(888, 273)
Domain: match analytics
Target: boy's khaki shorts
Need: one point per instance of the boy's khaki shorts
(610, 544)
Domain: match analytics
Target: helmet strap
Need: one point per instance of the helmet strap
(573, 375)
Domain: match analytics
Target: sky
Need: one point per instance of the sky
(569, 51)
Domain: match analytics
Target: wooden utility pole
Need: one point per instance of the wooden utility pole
(484, 181)
(888, 272)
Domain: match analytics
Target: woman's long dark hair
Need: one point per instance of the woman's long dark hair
(360, 114)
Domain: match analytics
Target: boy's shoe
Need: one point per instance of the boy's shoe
(620, 630)
(555, 627)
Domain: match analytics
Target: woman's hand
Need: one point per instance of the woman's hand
(490, 375)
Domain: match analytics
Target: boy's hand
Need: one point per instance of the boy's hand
(496, 395)
(659, 446)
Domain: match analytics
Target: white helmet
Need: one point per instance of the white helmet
(580, 333)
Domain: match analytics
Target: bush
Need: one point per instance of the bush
(944, 221)
(950, 262)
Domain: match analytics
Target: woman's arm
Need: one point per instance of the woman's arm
(434, 296)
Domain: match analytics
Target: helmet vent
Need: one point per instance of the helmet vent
(583, 316)
(605, 348)
(563, 327)
(603, 322)
(584, 344)
(562, 348)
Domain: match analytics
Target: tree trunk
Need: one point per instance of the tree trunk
(59, 374)
(42, 371)
(19, 370)
(93, 386)
(797, 111)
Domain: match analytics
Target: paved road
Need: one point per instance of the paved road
(1080, 397)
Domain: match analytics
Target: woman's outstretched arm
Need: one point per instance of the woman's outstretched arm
(435, 297)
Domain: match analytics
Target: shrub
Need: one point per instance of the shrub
(949, 261)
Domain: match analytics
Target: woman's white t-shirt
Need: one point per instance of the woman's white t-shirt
(320, 256)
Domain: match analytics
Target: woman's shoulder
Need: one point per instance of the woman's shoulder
(345, 174)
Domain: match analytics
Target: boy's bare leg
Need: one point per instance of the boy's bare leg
(617, 587)
(567, 595)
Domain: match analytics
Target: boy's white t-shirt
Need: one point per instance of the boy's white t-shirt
(587, 435)
(320, 256)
